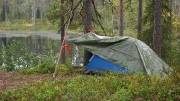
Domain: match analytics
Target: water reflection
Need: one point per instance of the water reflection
(26, 50)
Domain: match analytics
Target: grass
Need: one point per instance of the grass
(111, 87)
(47, 26)
(27, 25)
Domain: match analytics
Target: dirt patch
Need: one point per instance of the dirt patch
(11, 80)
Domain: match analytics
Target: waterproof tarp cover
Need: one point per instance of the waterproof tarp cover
(126, 52)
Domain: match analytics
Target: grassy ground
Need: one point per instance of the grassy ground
(27, 25)
(71, 85)
(47, 26)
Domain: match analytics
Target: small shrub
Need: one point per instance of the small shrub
(63, 70)
(26, 71)
(2, 69)
(47, 66)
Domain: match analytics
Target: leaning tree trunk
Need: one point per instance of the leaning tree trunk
(139, 19)
(63, 57)
(121, 19)
(87, 7)
(157, 44)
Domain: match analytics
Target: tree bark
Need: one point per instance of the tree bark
(139, 19)
(157, 44)
(6, 10)
(41, 10)
(34, 14)
(87, 7)
(121, 19)
(63, 57)
(179, 40)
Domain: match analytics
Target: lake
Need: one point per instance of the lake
(24, 49)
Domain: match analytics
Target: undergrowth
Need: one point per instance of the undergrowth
(111, 87)
(47, 66)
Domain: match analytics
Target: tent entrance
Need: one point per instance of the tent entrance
(98, 63)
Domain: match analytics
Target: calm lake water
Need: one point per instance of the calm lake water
(25, 49)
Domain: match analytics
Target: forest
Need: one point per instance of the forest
(34, 66)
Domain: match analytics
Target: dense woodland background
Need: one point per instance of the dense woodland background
(136, 18)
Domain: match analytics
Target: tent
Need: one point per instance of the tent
(98, 63)
(120, 54)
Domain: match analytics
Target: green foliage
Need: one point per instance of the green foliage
(26, 71)
(169, 37)
(47, 66)
(2, 69)
(115, 87)
(11, 56)
(17, 53)
(148, 21)
(55, 12)
(58, 12)
(2, 13)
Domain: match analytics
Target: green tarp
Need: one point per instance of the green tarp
(127, 52)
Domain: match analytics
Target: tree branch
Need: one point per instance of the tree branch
(98, 16)
(69, 16)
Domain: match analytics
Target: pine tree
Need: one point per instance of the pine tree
(87, 7)
(121, 18)
(148, 27)
(63, 57)
(139, 19)
(157, 44)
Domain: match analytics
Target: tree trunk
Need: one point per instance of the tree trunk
(28, 14)
(179, 40)
(170, 30)
(157, 44)
(139, 19)
(6, 10)
(63, 57)
(112, 24)
(87, 7)
(41, 10)
(34, 14)
(112, 21)
(16, 10)
(121, 19)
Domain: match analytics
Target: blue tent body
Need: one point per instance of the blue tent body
(98, 63)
